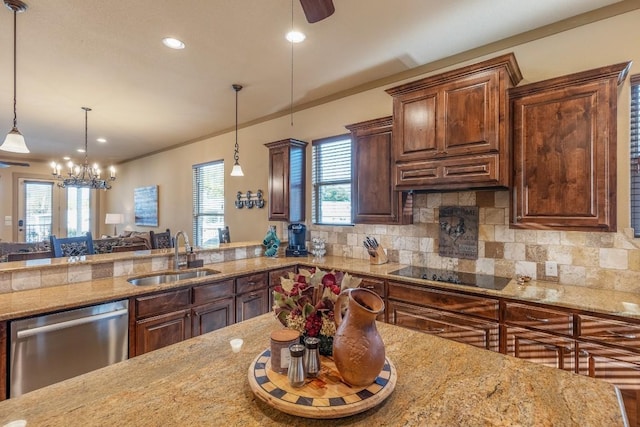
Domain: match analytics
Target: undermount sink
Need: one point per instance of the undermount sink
(170, 277)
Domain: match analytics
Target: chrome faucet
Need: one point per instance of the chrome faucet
(176, 246)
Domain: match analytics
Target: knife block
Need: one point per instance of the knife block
(380, 258)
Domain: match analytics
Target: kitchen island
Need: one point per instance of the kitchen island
(202, 382)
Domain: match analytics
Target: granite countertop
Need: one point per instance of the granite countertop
(36, 301)
(202, 382)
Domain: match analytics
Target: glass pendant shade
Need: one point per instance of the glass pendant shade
(14, 142)
(237, 171)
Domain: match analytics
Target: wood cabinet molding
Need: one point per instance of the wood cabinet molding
(456, 117)
(564, 135)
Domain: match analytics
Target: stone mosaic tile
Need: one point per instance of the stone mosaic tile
(613, 259)
(536, 253)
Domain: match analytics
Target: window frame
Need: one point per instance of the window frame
(634, 153)
(198, 214)
(317, 184)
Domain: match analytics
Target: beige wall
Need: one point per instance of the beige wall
(590, 46)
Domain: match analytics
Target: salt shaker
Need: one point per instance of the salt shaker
(312, 357)
(296, 372)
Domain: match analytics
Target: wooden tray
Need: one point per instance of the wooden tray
(323, 397)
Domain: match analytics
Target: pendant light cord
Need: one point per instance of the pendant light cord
(86, 132)
(236, 157)
(15, 115)
(291, 88)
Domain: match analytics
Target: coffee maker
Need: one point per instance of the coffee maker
(297, 240)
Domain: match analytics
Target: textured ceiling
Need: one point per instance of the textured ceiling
(108, 55)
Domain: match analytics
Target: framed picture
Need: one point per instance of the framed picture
(145, 201)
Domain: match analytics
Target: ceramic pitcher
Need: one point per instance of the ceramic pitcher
(358, 350)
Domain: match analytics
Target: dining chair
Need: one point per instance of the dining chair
(161, 240)
(72, 246)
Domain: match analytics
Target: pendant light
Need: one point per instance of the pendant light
(237, 170)
(14, 141)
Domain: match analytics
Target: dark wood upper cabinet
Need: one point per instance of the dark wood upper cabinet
(564, 151)
(374, 200)
(449, 130)
(287, 180)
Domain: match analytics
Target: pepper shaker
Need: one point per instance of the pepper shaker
(312, 357)
(296, 372)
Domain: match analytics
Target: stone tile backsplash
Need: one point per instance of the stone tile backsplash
(590, 259)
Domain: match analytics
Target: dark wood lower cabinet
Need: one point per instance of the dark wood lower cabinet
(252, 304)
(162, 330)
(462, 329)
(209, 317)
(541, 348)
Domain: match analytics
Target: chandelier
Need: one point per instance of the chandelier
(85, 175)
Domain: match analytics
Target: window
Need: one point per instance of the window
(208, 201)
(635, 154)
(331, 175)
(78, 211)
(38, 210)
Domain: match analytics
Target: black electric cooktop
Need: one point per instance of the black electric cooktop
(484, 281)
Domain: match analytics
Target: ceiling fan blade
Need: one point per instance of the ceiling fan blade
(317, 10)
(6, 164)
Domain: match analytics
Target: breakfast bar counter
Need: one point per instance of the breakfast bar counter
(201, 382)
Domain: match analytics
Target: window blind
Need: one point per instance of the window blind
(38, 210)
(635, 154)
(331, 176)
(208, 201)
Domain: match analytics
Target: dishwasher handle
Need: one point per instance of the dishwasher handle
(70, 323)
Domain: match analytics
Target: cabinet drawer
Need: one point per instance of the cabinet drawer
(163, 303)
(462, 329)
(212, 291)
(543, 349)
(539, 318)
(457, 172)
(375, 285)
(458, 303)
(608, 331)
(252, 282)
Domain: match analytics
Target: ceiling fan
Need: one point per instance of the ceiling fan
(317, 10)
(6, 164)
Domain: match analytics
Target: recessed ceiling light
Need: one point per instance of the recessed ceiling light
(295, 36)
(101, 140)
(66, 158)
(172, 43)
(80, 150)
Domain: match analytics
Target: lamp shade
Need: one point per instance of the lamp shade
(114, 218)
(237, 171)
(14, 142)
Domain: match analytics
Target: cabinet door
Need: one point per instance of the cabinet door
(564, 142)
(209, 317)
(3, 360)
(374, 200)
(470, 115)
(445, 325)
(540, 348)
(163, 330)
(278, 183)
(414, 127)
(252, 304)
(618, 367)
(287, 180)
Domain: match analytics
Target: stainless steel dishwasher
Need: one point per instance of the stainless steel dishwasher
(51, 348)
